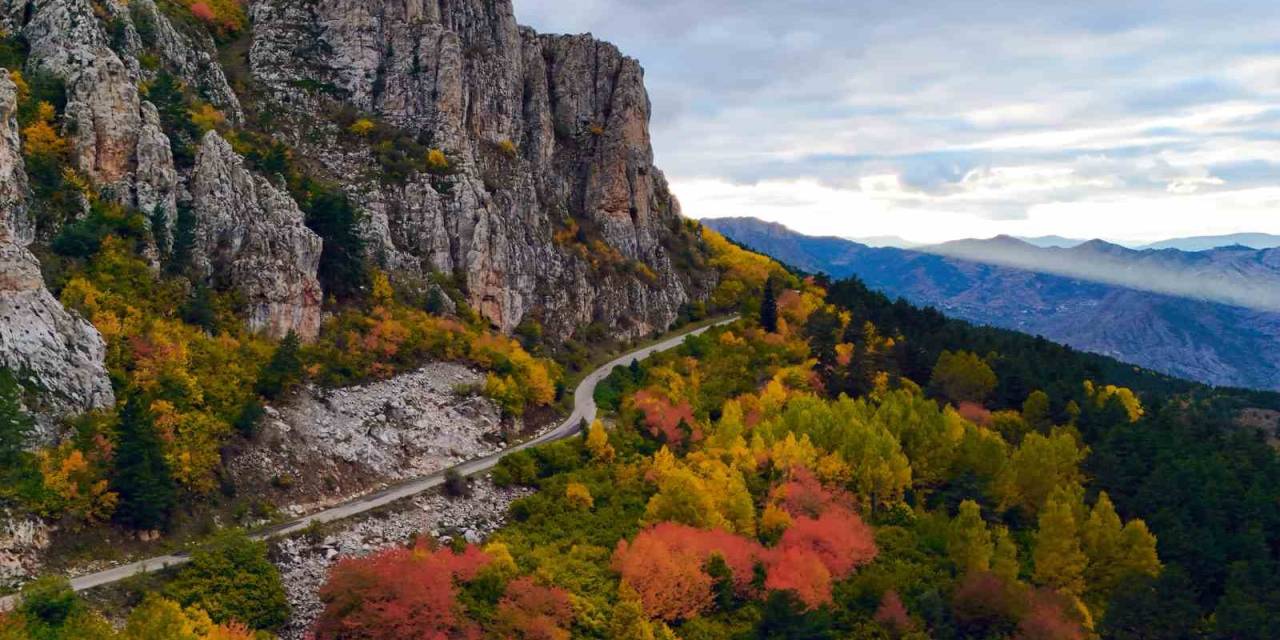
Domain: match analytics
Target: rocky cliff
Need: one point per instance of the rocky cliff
(529, 182)
(544, 134)
(48, 347)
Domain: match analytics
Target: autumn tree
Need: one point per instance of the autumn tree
(1059, 560)
(839, 539)
(968, 541)
(1115, 550)
(398, 594)
(1038, 466)
(666, 566)
(141, 479)
(962, 376)
(530, 611)
(598, 443)
(892, 614)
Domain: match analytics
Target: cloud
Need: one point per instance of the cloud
(950, 115)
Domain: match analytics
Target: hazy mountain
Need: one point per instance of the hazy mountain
(1232, 275)
(1193, 338)
(1052, 241)
(1204, 243)
(887, 241)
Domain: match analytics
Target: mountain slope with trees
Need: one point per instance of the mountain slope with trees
(1191, 338)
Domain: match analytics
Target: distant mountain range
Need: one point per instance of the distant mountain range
(1204, 243)
(1157, 309)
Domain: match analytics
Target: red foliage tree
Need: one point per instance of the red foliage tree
(530, 611)
(666, 563)
(838, 538)
(202, 12)
(663, 417)
(892, 614)
(985, 600)
(399, 594)
(804, 495)
(800, 571)
(1047, 619)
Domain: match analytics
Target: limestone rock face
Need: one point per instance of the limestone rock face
(250, 236)
(544, 133)
(39, 339)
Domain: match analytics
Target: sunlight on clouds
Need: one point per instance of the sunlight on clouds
(809, 207)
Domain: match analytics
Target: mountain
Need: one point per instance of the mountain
(1233, 275)
(1204, 243)
(1203, 340)
(433, 142)
(886, 241)
(1052, 241)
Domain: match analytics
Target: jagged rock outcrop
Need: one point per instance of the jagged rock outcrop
(250, 236)
(39, 339)
(545, 133)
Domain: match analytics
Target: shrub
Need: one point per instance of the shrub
(230, 577)
(456, 484)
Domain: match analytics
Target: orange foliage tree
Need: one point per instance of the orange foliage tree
(530, 611)
(666, 566)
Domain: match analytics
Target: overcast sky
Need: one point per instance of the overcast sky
(1131, 121)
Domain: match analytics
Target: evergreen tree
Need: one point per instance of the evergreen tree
(1035, 410)
(1060, 563)
(15, 424)
(142, 477)
(342, 272)
(769, 309)
(969, 542)
(283, 371)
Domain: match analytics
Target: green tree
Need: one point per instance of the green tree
(15, 423)
(1040, 464)
(769, 309)
(1037, 412)
(1004, 559)
(962, 376)
(343, 272)
(230, 578)
(1059, 561)
(283, 371)
(142, 478)
(968, 541)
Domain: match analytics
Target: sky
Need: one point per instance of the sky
(1129, 121)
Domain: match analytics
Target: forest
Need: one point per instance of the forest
(834, 464)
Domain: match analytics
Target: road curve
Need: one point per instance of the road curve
(584, 408)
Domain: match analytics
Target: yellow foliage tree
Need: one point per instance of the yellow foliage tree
(579, 496)
(598, 443)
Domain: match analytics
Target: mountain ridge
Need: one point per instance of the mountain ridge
(1207, 341)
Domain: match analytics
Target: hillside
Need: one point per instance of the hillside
(306, 308)
(1197, 339)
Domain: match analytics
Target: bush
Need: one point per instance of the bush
(519, 468)
(456, 484)
(230, 577)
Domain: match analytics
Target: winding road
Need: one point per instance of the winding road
(584, 408)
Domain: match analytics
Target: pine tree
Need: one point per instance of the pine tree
(969, 542)
(15, 424)
(142, 477)
(1036, 411)
(283, 371)
(769, 309)
(1060, 563)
